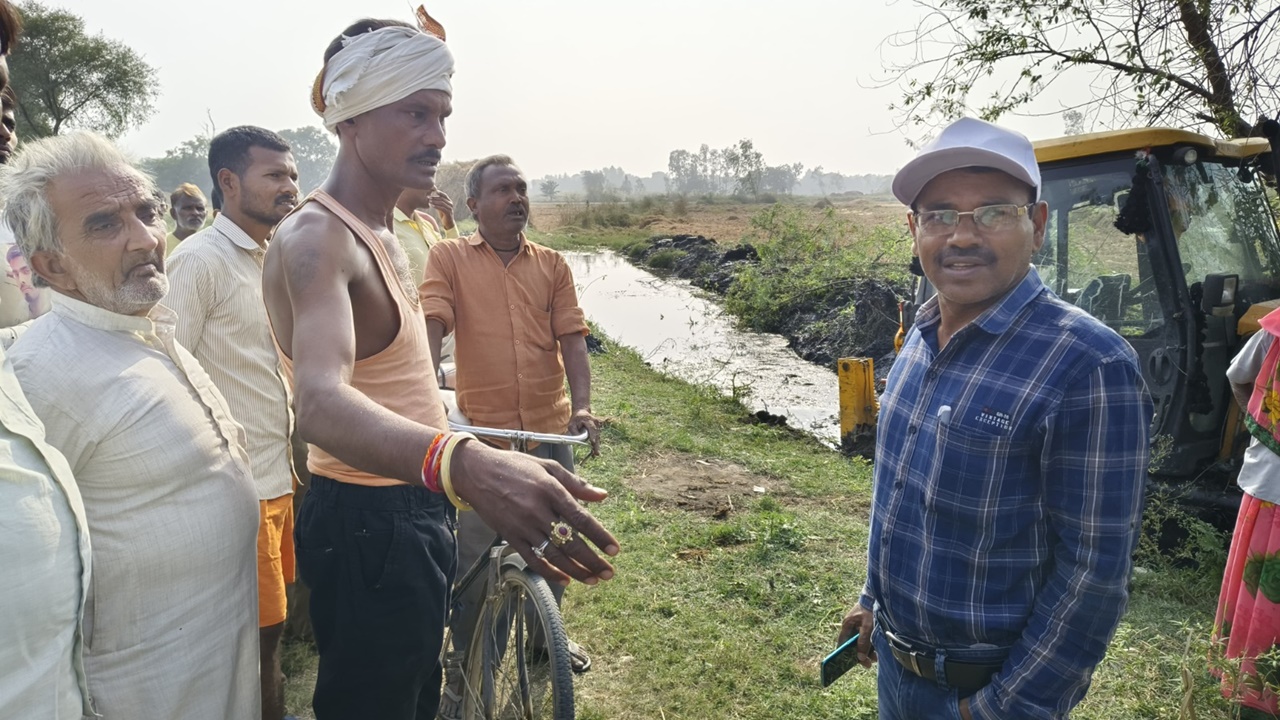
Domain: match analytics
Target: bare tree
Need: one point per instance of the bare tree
(1178, 62)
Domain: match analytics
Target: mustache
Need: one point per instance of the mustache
(287, 197)
(981, 255)
(153, 258)
(431, 154)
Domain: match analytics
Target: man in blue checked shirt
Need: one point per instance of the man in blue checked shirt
(1010, 462)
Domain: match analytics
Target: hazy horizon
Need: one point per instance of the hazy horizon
(563, 86)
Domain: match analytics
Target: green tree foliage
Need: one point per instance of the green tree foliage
(1184, 63)
(189, 162)
(594, 185)
(549, 188)
(314, 150)
(746, 166)
(782, 179)
(67, 79)
(705, 172)
(739, 168)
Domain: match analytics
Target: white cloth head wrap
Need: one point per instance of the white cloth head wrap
(380, 67)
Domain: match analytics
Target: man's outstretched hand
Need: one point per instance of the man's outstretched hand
(521, 497)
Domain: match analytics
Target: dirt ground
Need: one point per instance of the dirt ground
(726, 222)
(710, 487)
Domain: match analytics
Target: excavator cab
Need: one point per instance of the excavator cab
(1169, 238)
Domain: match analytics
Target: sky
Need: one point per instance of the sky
(560, 85)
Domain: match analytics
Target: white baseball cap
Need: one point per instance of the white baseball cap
(969, 142)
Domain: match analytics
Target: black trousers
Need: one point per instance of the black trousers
(380, 564)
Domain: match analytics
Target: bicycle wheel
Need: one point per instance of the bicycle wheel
(518, 665)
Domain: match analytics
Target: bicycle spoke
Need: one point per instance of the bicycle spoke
(518, 667)
(521, 682)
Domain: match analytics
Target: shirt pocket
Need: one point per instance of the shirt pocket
(534, 327)
(113, 619)
(982, 481)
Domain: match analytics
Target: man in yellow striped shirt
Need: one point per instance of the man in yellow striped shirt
(216, 291)
(417, 230)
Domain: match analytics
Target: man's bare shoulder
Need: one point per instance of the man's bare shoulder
(313, 250)
(313, 227)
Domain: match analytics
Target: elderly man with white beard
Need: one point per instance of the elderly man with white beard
(171, 626)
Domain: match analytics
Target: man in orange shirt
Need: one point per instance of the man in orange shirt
(518, 331)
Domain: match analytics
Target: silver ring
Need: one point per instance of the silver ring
(542, 549)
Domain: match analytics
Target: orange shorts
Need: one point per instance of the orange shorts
(275, 558)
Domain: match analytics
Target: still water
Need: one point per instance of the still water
(681, 332)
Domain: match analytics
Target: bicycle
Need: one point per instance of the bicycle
(517, 663)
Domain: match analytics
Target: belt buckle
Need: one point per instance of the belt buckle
(915, 663)
(906, 649)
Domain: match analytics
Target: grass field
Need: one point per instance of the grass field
(744, 545)
(574, 224)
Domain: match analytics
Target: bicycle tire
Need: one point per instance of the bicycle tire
(504, 680)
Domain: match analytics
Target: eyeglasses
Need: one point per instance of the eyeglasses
(988, 218)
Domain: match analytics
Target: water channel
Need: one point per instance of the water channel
(678, 330)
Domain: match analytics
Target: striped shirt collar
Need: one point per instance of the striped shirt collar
(231, 231)
(999, 317)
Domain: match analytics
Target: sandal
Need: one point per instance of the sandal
(579, 660)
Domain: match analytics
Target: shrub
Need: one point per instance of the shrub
(604, 215)
(1184, 554)
(806, 265)
(636, 250)
(649, 205)
(665, 259)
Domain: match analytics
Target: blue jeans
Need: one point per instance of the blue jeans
(903, 695)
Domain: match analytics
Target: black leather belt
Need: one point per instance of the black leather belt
(960, 675)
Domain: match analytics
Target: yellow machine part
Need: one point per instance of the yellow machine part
(858, 402)
(1248, 323)
(1072, 147)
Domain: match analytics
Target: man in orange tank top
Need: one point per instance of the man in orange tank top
(375, 535)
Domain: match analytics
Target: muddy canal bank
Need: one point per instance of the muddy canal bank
(848, 317)
(683, 332)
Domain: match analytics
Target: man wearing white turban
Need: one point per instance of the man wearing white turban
(374, 534)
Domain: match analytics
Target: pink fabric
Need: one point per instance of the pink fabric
(1248, 618)
(1264, 402)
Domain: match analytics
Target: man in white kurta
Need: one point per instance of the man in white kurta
(44, 563)
(171, 622)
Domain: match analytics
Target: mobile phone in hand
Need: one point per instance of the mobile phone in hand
(840, 661)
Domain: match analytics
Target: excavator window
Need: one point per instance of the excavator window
(1086, 260)
(1223, 225)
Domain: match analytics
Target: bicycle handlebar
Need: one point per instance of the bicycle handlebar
(520, 435)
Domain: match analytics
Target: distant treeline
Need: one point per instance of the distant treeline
(736, 170)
